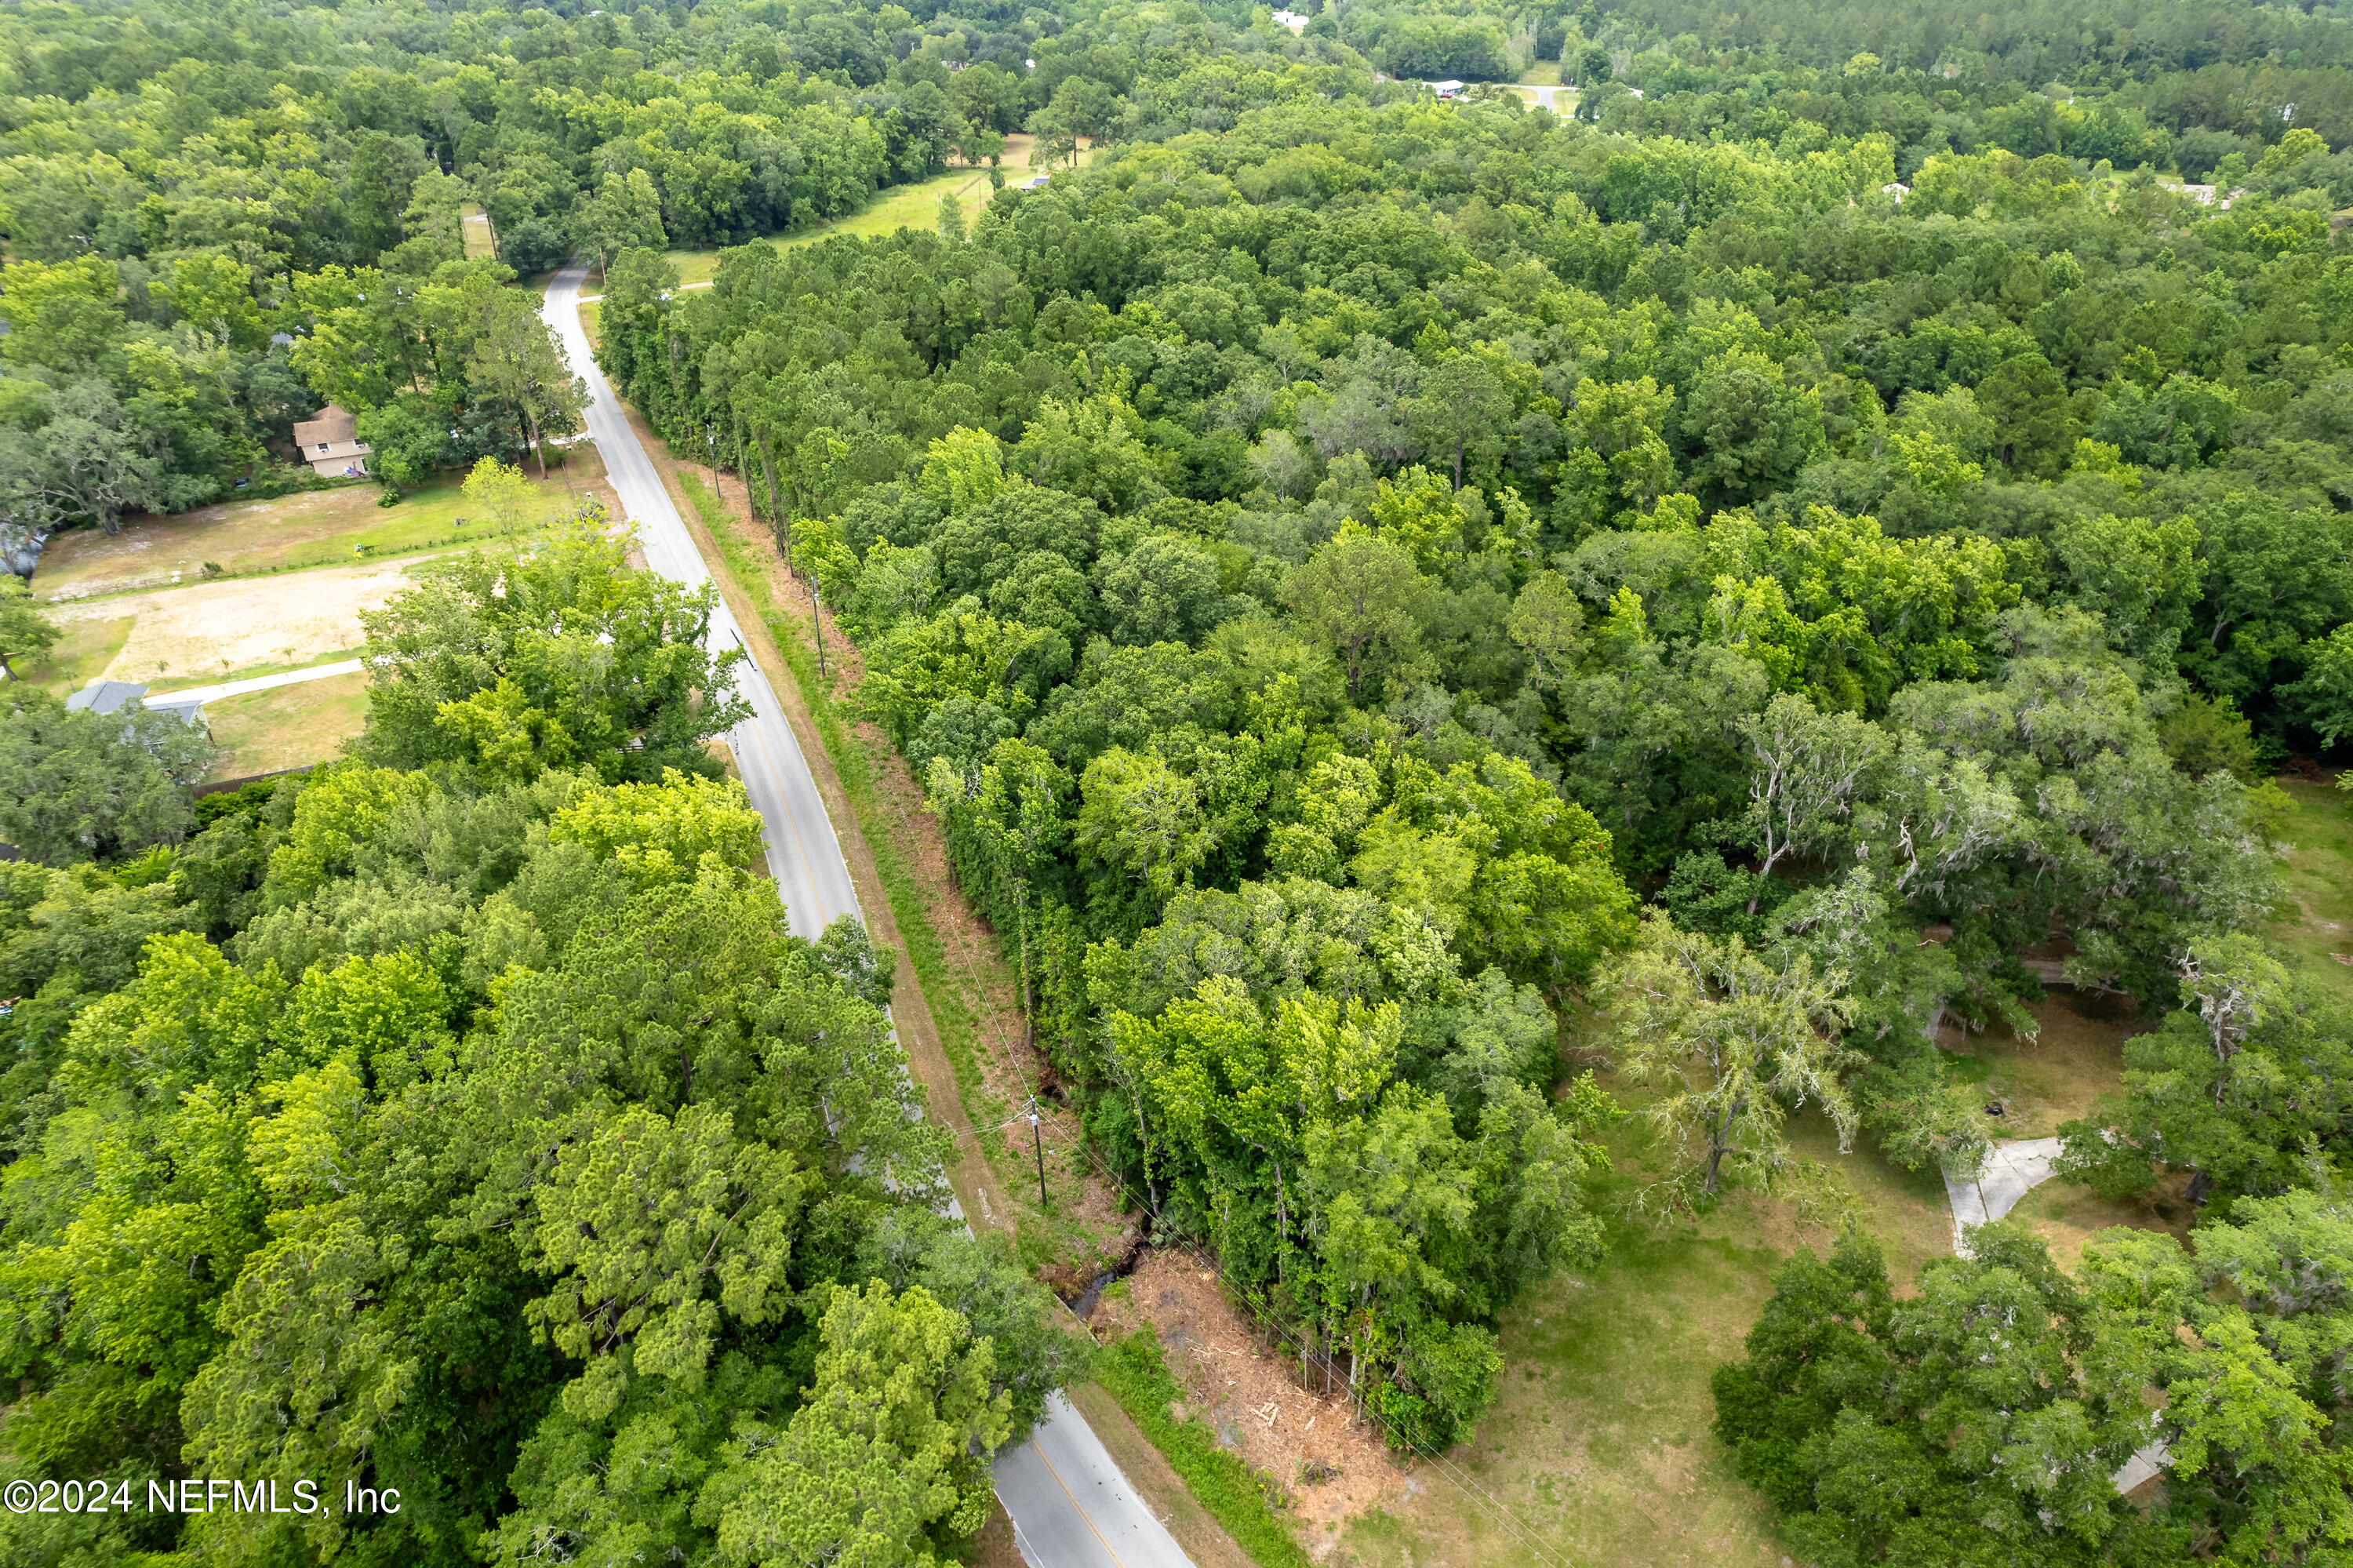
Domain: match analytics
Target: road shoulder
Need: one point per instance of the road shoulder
(909, 1009)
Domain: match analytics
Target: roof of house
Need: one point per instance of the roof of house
(331, 423)
(187, 710)
(106, 696)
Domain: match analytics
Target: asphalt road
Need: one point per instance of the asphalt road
(803, 855)
(1071, 1506)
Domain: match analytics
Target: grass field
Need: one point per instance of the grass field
(2077, 1056)
(80, 655)
(1563, 98)
(2315, 922)
(286, 726)
(1598, 1449)
(476, 226)
(901, 206)
(315, 528)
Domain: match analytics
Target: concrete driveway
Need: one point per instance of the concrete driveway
(2011, 1172)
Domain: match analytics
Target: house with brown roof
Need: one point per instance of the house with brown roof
(330, 444)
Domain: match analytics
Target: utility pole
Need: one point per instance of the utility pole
(713, 431)
(1039, 1148)
(816, 618)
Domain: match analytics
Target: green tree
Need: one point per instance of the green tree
(1811, 770)
(2229, 1084)
(560, 658)
(2044, 1382)
(1142, 819)
(2324, 696)
(25, 632)
(1361, 596)
(964, 468)
(1732, 1043)
(1167, 588)
(517, 360)
(1618, 459)
(653, 1228)
(1752, 431)
(501, 496)
(887, 1463)
(1092, 447)
(1463, 406)
(666, 831)
(1548, 620)
(2273, 577)
(89, 461)
(2026, 397)
(2138, 574)
(1020, 803)
(624, 215)
(83, 786)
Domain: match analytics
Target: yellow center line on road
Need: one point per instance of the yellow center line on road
(792, 824)
(1075, 1503)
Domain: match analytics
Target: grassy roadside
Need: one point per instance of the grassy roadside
(958, 1028)
(1071, 1230)
(1221, 1522)
(1133, 1374)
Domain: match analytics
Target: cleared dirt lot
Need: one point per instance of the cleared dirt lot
(243, 625)
(316, 528)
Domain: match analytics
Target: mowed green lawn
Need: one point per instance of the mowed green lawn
(286, 726)
(2314, 921)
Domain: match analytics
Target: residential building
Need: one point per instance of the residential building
(330, 444)
(104, 696)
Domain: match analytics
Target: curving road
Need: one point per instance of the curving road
(1071, 1506)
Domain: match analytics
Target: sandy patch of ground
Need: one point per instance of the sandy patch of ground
(1253, 1396)
(211, 629)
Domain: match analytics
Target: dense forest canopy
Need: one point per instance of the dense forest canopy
(1790, 553)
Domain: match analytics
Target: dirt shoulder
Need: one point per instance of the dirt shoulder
(970, 992)
(1332, 1466)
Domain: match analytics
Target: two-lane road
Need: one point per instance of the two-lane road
(811, 876)
(1071, 1506)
